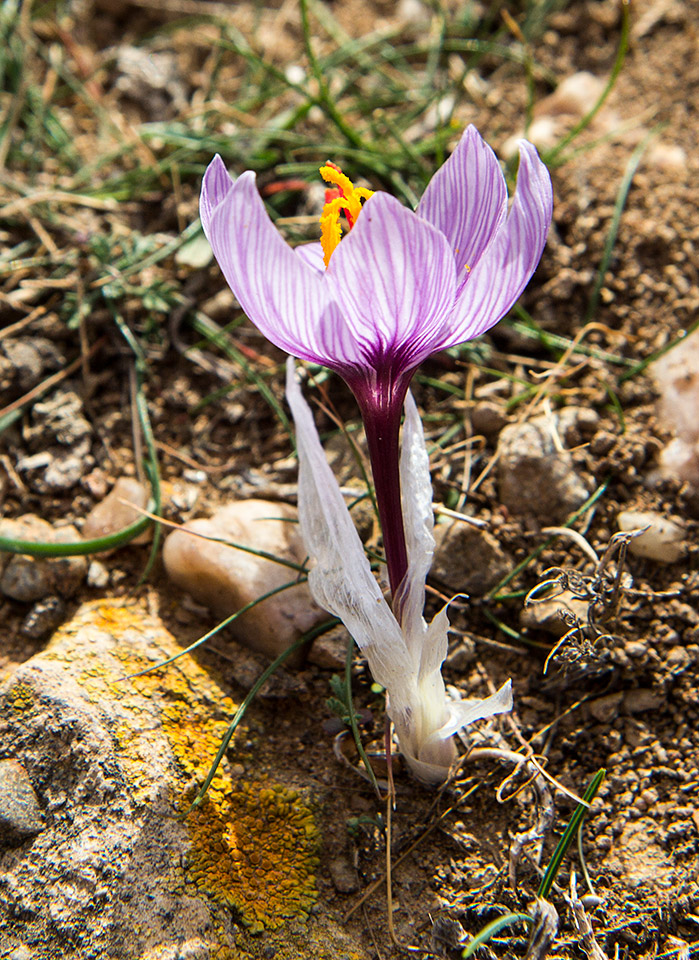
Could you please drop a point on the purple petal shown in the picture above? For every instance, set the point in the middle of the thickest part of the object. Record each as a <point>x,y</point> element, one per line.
<point>467,200</point>
<point>502,273</point>
<point>394,277</point>
<point>312,254</point>
<point>284,297</point>
<point>214,188</point>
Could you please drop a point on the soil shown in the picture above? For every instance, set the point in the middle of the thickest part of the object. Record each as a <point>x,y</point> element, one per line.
<point>627,700</point>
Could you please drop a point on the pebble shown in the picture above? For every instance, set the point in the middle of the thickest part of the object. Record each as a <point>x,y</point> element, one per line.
<point>97,575</point>
<point>605,709</point>
<point>28,579</point>
<point>529,463</point>
<point>20,814</point>
<point>43,618</point>
<point>226,579</point>
<point>663,541</point>
<point>111,515</point>
<point>676,376</point>
<point>330,649</point>
<point>467,558</point>
<point>546,614</point>
<point>60,437</point>
<point>642,700</point>
<point>343,875</point>
<point>25,360</point>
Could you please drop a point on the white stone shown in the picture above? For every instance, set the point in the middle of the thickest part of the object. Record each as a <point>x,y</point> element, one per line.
<point>676,376</point>
<point>112,515</point>
<point>664,540</point>
<point>227,579</point>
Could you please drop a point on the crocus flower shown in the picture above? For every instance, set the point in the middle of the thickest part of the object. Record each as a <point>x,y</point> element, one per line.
<point>406,657</point>
<point>397,287</point>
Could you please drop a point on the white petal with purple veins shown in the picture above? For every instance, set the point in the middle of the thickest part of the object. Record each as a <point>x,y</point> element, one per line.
<point>467,200</point>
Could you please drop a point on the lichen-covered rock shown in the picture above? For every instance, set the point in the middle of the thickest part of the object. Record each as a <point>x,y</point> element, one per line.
<point>227,579</point>
<point>118,871</point>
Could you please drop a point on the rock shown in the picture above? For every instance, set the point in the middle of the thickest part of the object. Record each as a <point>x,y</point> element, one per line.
<point>20,814</point>
<point>24,360</point>
<point>329,650</point>
<point>343,875</point>
<point>536,477</point>
<point>488,418</point>
<point>554,115</point>
<point>97,575</point>
<point>467,559</point>
<point>61,434</point>
<point>43,618</point>
<point>118,870</point>
<point>643,700</point>
<point>639,856</point>
<point>676,376</point>
<point>552,615</point>
<point>28,578</point>
<point>227,579</point>
<point>664,540</point>
<point>606,709</point>
<point>111,515</point>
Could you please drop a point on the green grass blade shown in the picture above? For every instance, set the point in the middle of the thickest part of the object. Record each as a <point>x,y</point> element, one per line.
<point>492,929</point>
<point>252,693</point>
<point>573,826</point>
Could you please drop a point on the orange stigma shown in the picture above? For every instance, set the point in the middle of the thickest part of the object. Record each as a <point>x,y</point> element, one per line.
<point>343,197</point>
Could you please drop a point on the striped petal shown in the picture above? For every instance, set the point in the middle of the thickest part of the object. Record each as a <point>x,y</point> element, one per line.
<point>283,296</point>
<point>498,279</point>
<point>395,278</point>
<point>467,200</point>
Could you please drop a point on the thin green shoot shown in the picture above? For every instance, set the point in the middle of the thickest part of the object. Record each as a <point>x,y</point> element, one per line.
<point>492,929</point>
<point>220,626</point>
<point>352,719</point>
<point>551,157</point>
<point>571,830</point>
<point>619,204</point>
<point>523,564</point>
<point>252,693</point>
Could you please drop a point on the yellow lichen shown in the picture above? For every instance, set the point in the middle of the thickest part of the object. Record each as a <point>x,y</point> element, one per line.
<point>254,849</point>
<point>253,845</point>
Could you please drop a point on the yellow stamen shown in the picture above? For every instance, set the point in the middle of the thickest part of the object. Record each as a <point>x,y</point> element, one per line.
<point>349,201</point>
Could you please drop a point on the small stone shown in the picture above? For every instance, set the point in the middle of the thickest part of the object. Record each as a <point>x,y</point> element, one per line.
<point>20,814</point>
<point>111,515</point>
<point>537,477</point>
<point>330,649</point>
<point>642,700</point>
<point>28,579</point>
<point>488,418</point>
<point>43,618</point>
<point>663,541</point>
<point>605,709</point>
<point>552,615</point>
<point>226,579</point>
<point>676,376</point>
<point>21,953</point>
<point>467,558</point>
<point>343,875</point>
<point>97,575</point>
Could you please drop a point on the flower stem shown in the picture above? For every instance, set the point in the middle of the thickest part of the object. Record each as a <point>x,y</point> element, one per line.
<point>382,426</point>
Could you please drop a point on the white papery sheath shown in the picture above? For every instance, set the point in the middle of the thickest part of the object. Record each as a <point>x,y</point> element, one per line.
<point>404,658</point>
